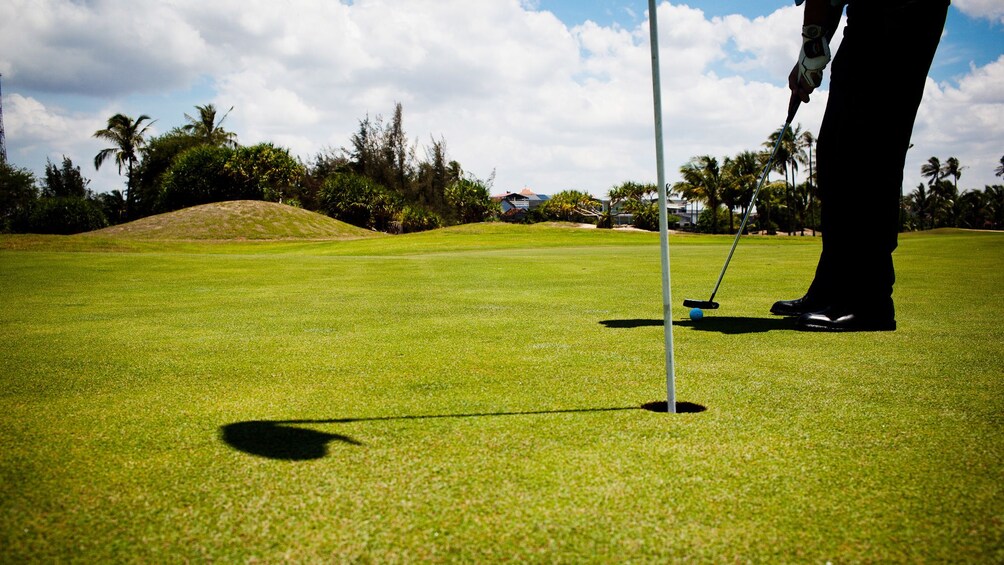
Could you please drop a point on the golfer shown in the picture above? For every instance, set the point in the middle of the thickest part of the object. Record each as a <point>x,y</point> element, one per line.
<point>877,80</point>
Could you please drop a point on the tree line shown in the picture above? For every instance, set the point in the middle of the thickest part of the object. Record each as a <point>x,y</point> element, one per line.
<point>725,188</point>
<point>379,182</point>
<point>941,203</point>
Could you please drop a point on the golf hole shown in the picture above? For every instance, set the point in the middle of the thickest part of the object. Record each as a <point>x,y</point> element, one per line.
<point>681,407</point>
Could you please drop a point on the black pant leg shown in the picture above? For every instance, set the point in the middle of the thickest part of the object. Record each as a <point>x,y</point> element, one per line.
<point>876,85</point>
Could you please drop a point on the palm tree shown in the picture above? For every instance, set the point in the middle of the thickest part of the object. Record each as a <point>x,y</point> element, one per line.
<point>999,171</point>
<point>207,129</point>
<point>128,137</point>
<point>739,178</point>
<point>807,141</point>
<point>945,204</point>
<point>973,209</point>
<point>789,154</point>
<point>931,170</point>
<point>951,168</point>
<point>702,179</point>
<point>995,204</point>
<point>920,204</point>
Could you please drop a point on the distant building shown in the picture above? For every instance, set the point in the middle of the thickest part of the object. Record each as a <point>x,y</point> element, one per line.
<point>518,203</point>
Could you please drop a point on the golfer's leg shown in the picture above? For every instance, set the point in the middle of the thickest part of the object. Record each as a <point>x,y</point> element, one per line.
<point>877,82</point>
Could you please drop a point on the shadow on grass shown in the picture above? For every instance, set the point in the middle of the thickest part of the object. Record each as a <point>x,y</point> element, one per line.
<point>629,324</point>
<point>280,439</point>
<point>720,324</point>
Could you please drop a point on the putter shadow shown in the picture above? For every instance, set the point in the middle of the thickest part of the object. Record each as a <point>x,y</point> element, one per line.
<point>720,324</point>
<point>634,323</point>
<point>283,440</point>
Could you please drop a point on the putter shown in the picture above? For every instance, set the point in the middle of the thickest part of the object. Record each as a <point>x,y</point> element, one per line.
<point>710,303</point>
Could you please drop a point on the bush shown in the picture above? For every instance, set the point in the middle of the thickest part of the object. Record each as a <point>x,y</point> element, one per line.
<point>159,155</point>
<point>415,219</point>
<point>198,176</point>
<point>207,174</point>
<point>17,195</point>
<point>263,172</point>
<point>646,217</point>
<point>66,215</point>
<point>470,201</point>
<point>704,220</point>
<point>359,201</point>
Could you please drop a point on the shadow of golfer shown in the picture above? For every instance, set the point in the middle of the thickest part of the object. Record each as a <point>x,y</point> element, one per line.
<point>283,440</point>
<point>736,325</point>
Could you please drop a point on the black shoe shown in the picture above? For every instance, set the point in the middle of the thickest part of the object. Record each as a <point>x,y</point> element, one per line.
<point>844,319</point>
<point>798,307</point>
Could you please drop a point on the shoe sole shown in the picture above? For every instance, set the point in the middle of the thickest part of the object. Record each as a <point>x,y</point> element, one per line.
<point>790,313</point>
<point>809,327</point>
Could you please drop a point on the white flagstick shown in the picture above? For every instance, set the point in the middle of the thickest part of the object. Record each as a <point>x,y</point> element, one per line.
<point>663,221</point>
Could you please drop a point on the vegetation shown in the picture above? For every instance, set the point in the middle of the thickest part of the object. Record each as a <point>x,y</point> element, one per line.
<point>128,137</point>
<point>476,394</point>
<point>793,206</point>
<point>940,204</point>
<point>202,162</point>
<point>570,206</point>
<point>17,195</point>
<point>379,183</point>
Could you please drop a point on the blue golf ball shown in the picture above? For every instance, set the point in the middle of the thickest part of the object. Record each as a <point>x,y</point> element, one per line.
<point>696,314</point>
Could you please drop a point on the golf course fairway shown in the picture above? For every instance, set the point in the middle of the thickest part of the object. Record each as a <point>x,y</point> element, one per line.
<point>483,394</point>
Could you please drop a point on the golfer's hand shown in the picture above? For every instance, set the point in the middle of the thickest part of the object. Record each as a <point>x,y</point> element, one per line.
<point>798,86</point>
<point>812,60</point>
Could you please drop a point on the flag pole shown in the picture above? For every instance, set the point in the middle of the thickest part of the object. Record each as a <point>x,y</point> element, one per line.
<point>663,219</point>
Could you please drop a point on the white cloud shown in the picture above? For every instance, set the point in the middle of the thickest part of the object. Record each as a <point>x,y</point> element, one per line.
<point>41,133</point>
<point>99,48</point>
<point>989,9</point>
<point>509,88</point>
<point>964,121</point>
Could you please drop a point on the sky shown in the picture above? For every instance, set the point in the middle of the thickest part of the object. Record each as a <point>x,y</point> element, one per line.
<point>549,95</point>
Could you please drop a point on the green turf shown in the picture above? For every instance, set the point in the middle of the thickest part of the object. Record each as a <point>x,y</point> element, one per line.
<point>474,395</point>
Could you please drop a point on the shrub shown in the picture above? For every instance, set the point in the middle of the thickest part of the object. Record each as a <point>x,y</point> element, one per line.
<point>647,217</point>
<point>358,200</point>
<point>66,215</point>
<point>704,220</point>
<point>17,194</point>
<point>205,174</point>
<point>263,172</point>
<point>415,219</point>
<point>197,176</point>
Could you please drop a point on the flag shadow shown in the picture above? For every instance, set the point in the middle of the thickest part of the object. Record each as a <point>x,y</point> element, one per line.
<point>283,440</point>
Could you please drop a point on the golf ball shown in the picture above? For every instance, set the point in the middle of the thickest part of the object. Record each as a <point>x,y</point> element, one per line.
<point>696,314</point>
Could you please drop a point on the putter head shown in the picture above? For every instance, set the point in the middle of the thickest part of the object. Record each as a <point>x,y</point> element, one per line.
<point>702,304</point>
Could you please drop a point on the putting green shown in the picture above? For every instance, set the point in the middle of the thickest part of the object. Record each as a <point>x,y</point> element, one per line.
<point>476,394</point>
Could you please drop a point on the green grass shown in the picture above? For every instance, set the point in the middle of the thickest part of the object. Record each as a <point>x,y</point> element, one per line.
<point>475,394</point>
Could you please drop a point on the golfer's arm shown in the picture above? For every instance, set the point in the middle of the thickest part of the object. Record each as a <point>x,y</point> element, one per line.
<point>822,13</point>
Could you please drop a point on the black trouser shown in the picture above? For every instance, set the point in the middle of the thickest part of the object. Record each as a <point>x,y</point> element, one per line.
<point>876,84</point>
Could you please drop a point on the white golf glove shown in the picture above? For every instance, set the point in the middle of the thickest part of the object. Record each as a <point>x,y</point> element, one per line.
<point>814,56</point>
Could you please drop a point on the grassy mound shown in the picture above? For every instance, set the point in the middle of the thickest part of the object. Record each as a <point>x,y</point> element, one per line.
<point>236,220</point>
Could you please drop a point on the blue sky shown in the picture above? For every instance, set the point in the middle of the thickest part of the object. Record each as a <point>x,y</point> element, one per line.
<point>525,88</point>
<point>976,40</point>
